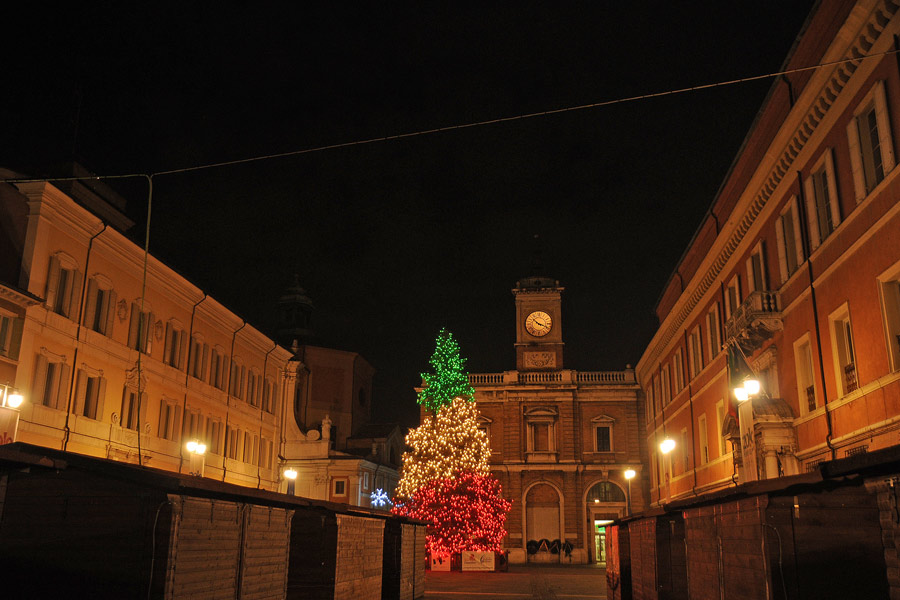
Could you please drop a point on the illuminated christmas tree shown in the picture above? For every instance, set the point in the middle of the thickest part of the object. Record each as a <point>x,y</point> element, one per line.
<point>449,380</point>
<point>444,445</point>
<point>445,479</point>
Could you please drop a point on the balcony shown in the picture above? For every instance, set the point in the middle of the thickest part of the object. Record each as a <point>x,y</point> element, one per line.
<point>755,320</point>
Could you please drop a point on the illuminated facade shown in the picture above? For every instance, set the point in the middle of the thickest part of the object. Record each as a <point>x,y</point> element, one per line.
<point>795,270</point>
<point>561,440</point>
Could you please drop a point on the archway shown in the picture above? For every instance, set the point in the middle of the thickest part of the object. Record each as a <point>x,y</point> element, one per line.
<point>542,523</point>
<point>605,502</point>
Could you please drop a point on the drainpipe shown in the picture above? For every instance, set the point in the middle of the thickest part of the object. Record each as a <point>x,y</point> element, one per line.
<point>70,399</point>
<point>261,410</point>
<point>186,378</point>
<point>228,397</point>
<point>807,246</point>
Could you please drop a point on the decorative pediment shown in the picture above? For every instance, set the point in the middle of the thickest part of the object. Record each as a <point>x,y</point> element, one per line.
<point>602,420</point>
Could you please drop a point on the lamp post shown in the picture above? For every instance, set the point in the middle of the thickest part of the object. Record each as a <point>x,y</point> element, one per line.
<point>198,457</point>
<point>291,475</point>
<point>629,475</point>
<point>749,389</point>
<point>11,400</point>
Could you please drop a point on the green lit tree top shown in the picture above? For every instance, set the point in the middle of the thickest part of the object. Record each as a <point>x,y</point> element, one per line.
<point>449,379</point>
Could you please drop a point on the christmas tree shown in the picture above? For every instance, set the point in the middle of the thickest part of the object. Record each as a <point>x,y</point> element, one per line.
<point>446,480</point>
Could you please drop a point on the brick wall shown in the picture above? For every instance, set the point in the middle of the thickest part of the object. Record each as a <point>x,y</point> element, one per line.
<point>412,571</point>
<point>359,558</point>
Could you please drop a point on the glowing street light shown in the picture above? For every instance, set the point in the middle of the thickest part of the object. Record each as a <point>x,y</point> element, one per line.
<point>11,399</point>
<point>750,388</point>
<point>667,445</point>
<point>629,475</point>
<point>291,475</point>
<point>197,450</point>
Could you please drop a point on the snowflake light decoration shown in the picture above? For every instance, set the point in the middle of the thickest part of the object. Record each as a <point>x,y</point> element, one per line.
<point>379,498</point>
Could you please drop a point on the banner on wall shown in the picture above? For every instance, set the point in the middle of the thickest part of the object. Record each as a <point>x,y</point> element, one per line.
<point>478,561</point>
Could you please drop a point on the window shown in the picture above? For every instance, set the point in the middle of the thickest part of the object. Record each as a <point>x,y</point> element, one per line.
<point>338,487</point>
<point>678,371</point>
<point>695,357</point>
<point>176,345</point>
<point>252,388</point>
<point>484,425</point>
<point>756,269</point>
<point>232,442</point>
<point>889,288</point>
<point>822,201</point>
<point>217,368</point>
<point>140,336</point>
<point>712,332</point>
<point>871,147</point>
<point>90,392</point>
<point>720,421</point>
<point>238,373</point>
<point>100,305</point>
<point>131,409</point>
<point>651,401</point>
<point>251,448</point>
<point>169,420</point>
<point>787,234</point>
<point>664,385</point>
<point>268,403</point>
<point>685,450</point>
<point>541,441</point>
<point>657,398</point>
<point>806,386</point>
<point>214,435</point>
<point>51,381</point>
<point>732,296</point>
<point>366,480</point>
<point>199,358</point>
<point>603,430</point>
<point>63,285</point>
<point>10,336</point>
<point>265,453</point>
<point>842,346</point>
<point>704,439</point>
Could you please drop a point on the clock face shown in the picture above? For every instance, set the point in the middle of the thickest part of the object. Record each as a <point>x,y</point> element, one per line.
<point>538,323</point>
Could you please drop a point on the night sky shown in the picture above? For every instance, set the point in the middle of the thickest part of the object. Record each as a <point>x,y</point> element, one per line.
<point>394,240</point>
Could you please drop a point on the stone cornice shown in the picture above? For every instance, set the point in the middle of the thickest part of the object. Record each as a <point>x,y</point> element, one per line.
<point>48,201</point>
<point>862,34</point>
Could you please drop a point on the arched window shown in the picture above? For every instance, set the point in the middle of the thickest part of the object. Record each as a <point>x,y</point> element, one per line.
<point>605,491</point>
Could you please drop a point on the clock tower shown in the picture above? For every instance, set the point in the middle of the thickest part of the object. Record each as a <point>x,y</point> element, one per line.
<point>539,345</point>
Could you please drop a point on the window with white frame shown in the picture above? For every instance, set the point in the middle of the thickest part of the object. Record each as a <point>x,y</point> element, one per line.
<point>51,380</point>
<point>870,141</point>
<point>238,376</point>
<point>695,356</point>
<point>756,269</point>
<point>265,453</point>
<point>712,331</point>
<point>541,424</point>
<point>10,335</point>
<point>822,205</point>
<point>199,357</point>
<point>789,240</point>
<point>90,393</point>
<point>100,305</point>
<point>176,345</point>
<point>720,421</point>
<point>732,296</point>
<point>169,427</point>
<point>233,440</point>
<point>806,382</point>
<point>889,292</point>
<point>603,433</point>
<point>704,439</point>
<point>657,397</point>
<point>252,387</point>
<point>664,385</point>
<point>685,450</point>
<point>268,399</point>
<point>63,285</point>
<point>651,406</point>
<point>678,371</point>
<point>140,335</point>
<point>842,350</point>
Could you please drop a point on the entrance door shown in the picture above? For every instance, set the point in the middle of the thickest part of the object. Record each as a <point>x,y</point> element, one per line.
<point>600,526</point>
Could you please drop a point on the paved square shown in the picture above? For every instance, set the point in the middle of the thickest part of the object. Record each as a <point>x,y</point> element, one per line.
<point>585,582</point>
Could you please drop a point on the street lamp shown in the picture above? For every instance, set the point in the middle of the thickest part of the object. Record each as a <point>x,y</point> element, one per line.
<point>291,475</point>
<point>665,447</point>
<point>11,400</point>
<point>750,387</point>
<point>629,475</point>
<point>198,458</point>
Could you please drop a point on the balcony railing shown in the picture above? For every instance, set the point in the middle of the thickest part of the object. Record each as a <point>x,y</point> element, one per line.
<point>755,320</point>
<point>850,382</point>
<point>566,376</point>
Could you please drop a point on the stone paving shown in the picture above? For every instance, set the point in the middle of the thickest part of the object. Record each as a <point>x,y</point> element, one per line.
<point>581,582</point>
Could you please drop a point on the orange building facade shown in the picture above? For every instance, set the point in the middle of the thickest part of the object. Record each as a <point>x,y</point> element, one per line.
<point>795,271</point>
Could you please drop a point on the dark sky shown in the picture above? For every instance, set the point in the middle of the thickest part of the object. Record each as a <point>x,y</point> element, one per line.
<point>394,240</point>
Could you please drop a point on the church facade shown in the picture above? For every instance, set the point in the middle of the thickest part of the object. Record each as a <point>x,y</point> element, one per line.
<point>561,440</point>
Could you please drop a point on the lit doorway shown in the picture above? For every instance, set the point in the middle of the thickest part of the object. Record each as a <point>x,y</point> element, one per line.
<point>600,526</point>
